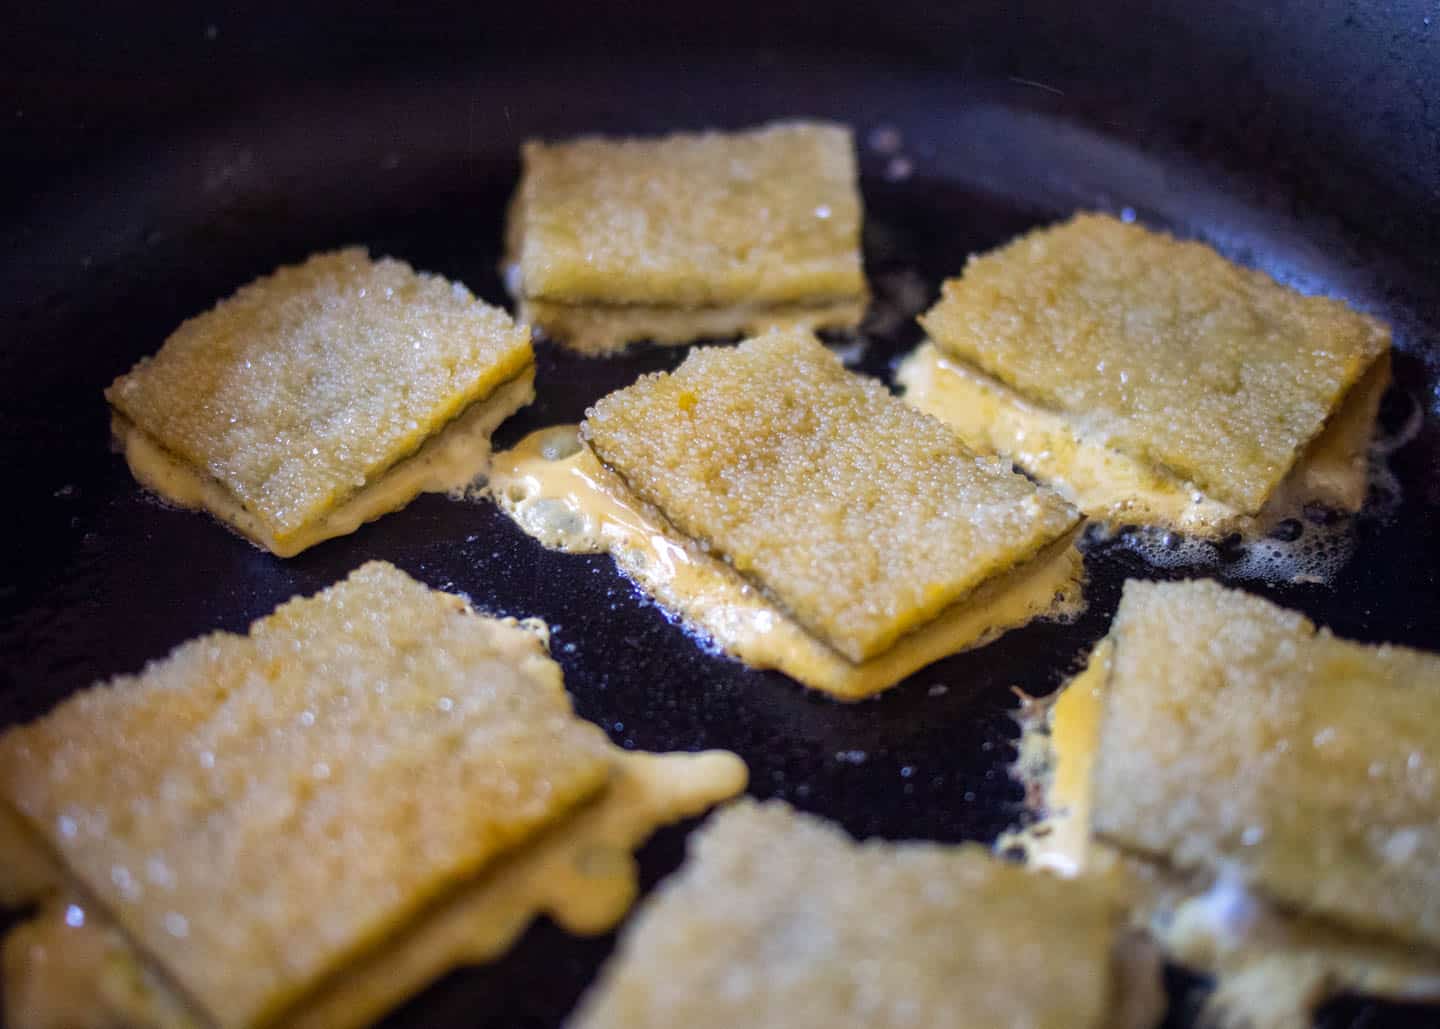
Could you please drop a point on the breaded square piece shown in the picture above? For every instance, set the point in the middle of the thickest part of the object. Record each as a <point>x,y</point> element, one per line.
<point>1210,372</point>
<point>861,516</point>
<point>779,919</point>
<point>1235,734</point>
<point>309,385</point>
<point>687,235</point>
<point>692,219</point>
<point>253,810</point>
<point>68,966</point>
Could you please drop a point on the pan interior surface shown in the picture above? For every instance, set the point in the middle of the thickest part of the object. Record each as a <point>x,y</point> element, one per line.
<point>101,577</point>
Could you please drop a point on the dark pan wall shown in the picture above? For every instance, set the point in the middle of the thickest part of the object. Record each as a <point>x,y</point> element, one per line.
<point>1336,99</point>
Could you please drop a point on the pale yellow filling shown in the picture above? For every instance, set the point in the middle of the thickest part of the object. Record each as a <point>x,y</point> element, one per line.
<point>1107,484</point>
<point>70,969</point>
<point>559,492</point>
<point>1057,754</point>
<point>606,328</point>
<point>1272,968</point>
<point>449,461</point>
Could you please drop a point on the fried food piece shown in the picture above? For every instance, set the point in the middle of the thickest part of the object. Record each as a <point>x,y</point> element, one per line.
<point>1238,736</point>
<point>778,918</point>
<point>1192,368</point>
<point>861,517</point>
<point>688,235</point>
<point>255,810</point>
<point>323,396</point>
<point>692,219</point>
<point>557,491</point>
<point>69,966</point>
<point>1272,967</point>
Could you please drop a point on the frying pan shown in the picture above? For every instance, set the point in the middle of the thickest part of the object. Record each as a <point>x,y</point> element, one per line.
<point>152,166</point>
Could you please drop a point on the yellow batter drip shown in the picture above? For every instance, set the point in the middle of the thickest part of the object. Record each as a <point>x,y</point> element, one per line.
<point>69,969</point>
<point>1057,752</point>
<point>604,329</point>
<point>447,462</point>
<point>1106,483</point>
<point>559,492</point>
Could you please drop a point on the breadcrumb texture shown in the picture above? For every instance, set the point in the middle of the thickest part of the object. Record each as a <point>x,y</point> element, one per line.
<point>779,919</point>
<point>771,215</point>
<point>863,517</point>
<point>310,383</point>
<point>255,809</point>
<point>1162,349</point>
<point>1236,735</point>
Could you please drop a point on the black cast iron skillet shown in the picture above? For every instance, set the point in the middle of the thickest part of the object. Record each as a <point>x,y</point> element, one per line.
<point>155,160</point>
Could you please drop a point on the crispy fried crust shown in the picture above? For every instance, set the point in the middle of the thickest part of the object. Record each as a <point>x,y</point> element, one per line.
<point>1237,736</point>
<point>254,809</point>
<point>691,220</point>
<point>310,383</point>
<point>1164,350</point>
<point>862,516</point>
<point>778,919</point>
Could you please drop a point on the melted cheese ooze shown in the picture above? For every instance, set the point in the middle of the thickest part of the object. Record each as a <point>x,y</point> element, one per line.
<point>604,328</point>
<point>448,462</point>
<point>69,968</point>
<point>1272,968</point>
<point>1057,754</point>
<point>558,491</point>
<point>1106,483</point>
